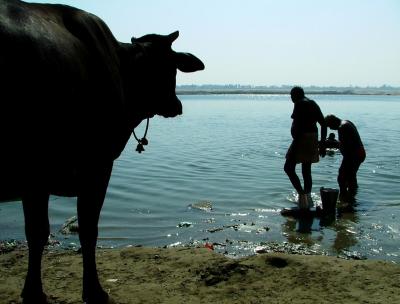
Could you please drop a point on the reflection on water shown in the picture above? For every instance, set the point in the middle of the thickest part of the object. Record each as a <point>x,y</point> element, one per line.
<point>229,151</point>
<point>302,229</point>
<point>345,232</point>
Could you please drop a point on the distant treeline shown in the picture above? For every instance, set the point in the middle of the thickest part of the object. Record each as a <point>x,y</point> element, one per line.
<point>284,89</point>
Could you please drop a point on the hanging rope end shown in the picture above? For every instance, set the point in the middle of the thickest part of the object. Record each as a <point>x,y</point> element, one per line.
<point>143,141</point>
<point>139,148</point>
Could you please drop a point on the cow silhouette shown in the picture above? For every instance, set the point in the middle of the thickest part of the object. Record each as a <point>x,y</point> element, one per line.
<point>70,97</point>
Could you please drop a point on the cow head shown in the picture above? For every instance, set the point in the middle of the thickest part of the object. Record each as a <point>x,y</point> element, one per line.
<point>155,72</point>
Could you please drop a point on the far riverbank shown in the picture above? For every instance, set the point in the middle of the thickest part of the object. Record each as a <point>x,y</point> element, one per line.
<point>281,92</point>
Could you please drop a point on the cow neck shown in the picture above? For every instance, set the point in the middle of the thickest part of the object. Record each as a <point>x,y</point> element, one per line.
<point>143,141</point>
<point>132,59</point>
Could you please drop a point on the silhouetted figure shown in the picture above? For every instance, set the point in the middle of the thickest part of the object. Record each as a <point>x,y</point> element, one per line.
<point>353,152</point>
<point>71,97</point>
<point>304,148</point>
<point>331,142</point>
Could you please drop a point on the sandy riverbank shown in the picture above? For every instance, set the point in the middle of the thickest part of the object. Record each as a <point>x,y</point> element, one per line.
<point>193,275</point>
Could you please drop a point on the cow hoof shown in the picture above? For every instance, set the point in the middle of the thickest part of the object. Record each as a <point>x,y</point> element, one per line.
<point>100,297</point>
<point>34,298</point>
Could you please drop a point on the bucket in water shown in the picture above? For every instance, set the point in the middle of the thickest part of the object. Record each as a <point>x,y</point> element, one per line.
<point>329,197</point>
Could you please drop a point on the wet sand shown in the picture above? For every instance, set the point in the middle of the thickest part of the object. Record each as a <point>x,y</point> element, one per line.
<point>199,275</point>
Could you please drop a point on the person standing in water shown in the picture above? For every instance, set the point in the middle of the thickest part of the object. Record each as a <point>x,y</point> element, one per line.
<point>352,149</point>
<point>304,148</point>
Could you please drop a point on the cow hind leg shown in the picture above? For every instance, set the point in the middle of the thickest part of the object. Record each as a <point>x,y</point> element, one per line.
<point>37,230</point>
<point>93,187</point>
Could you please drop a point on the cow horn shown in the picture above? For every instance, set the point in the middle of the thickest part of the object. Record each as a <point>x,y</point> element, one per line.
<point>173,36</point>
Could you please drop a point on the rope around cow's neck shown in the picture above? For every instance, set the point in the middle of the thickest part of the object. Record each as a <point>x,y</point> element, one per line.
<point>143,141</point>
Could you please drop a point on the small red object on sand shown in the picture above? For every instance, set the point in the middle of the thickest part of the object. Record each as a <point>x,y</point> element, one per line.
<point>209,246</point>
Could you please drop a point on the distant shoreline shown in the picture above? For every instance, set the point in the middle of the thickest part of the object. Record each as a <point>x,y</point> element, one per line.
<point>273,92</point>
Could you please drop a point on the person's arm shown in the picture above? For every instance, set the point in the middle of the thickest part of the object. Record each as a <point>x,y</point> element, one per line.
<point>294,130</point>
<point>324,131</point>
<point>322,123</point>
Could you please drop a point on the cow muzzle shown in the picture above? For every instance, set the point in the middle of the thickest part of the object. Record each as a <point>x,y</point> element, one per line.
<point>172,109</point>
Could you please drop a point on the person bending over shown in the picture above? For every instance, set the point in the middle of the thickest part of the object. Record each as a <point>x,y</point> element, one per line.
<point>352,149</point>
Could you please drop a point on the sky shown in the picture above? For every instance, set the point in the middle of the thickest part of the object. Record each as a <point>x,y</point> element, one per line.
<point>269,42</point>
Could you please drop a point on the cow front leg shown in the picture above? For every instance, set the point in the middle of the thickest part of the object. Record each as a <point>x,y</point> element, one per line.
<point>37,230</point>
<point>93,183</point>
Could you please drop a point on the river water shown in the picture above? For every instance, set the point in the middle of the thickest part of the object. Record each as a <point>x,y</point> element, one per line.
<point>229,150</point>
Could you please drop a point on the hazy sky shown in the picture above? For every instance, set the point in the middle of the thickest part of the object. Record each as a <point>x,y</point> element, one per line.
<point>269,42</point>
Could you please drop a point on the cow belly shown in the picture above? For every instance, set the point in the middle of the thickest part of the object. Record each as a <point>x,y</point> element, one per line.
<point>15,176</point>
<point>10,182</point>
<point>31,158</point>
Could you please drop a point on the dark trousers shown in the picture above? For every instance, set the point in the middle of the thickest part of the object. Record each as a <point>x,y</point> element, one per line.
<point>347,177</point>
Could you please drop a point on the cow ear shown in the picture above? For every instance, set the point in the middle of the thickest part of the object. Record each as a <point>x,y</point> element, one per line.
<point>173,36</point>
<point>188,63</point>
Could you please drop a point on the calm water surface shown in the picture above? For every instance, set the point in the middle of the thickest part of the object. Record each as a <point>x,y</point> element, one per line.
<point>230,150</point>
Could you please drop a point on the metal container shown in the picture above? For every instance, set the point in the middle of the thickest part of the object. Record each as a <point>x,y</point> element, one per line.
<point>329,198</point>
